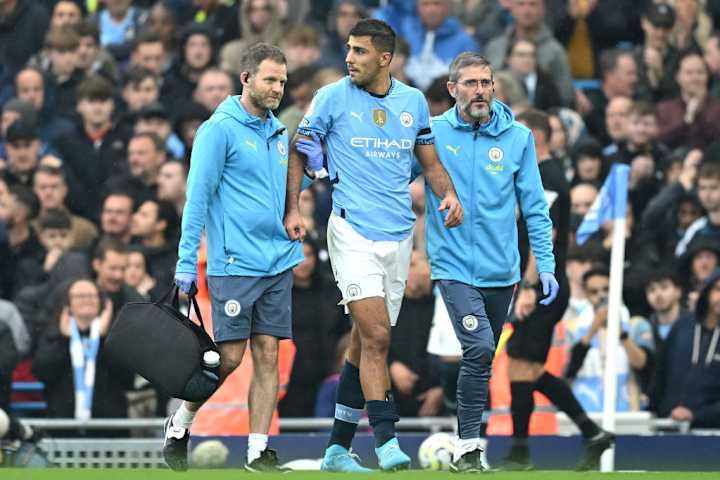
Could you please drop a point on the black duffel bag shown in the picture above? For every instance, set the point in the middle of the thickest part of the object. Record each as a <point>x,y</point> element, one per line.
<point>158,342</point>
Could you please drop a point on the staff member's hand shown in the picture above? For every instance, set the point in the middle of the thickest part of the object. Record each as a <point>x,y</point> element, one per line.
<point>550,287</point>
<point>186,282</point>
<point>455,212</point>
<point>294,226</point>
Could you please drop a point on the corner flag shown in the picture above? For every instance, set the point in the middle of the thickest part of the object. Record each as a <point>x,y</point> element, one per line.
<point>610,204</point>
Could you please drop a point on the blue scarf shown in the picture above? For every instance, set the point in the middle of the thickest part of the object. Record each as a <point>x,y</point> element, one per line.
<point>83,352</point>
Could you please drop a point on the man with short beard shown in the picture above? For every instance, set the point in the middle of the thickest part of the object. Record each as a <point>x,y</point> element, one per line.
<point>236,189</point>
<point>491,158</point>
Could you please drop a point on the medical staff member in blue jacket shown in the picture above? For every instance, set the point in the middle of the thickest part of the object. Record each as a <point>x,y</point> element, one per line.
<point>236,189</point>
<point>491,160</point>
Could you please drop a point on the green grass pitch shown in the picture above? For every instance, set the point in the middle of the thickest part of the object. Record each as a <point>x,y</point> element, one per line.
<point>124,474</point>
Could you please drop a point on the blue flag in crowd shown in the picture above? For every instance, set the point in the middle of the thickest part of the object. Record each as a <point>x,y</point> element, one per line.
<point>610,203</point>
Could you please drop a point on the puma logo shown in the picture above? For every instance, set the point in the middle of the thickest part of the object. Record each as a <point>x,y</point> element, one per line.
<point>251,144</point>
<point>452,149</point>
<point>357,115</point>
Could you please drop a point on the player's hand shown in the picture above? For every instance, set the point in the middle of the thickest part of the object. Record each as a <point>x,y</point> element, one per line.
<point>294,226</point>
<point>455,212</point>
<point>186,282</point>
<point>312,149</point>
<point>550,287</point>
<point>525,303</point>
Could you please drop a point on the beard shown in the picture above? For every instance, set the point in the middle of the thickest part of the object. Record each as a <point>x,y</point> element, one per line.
<point>262,102</point>
<point>477,112</point>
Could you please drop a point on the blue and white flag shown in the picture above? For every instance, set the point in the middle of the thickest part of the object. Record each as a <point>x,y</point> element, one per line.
<point>610,204</point>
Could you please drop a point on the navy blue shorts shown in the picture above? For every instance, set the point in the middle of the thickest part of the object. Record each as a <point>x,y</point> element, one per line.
<point>247,306</point>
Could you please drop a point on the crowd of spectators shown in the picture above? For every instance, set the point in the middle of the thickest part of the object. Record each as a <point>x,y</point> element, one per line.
<point>101,100</point>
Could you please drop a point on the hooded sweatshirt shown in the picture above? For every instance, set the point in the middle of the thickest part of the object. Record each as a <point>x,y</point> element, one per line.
<point>236,189</point>
<point>494,168</point>
<point>689,372</point>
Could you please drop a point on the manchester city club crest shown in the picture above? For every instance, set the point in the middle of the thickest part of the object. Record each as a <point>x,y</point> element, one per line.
<point>495,154</point>
<point>232,308</point>
<point>470,322</point>
<point>353,290</point>
<point>281,148</point>
<point>406,119</point>
<point>379,117</point>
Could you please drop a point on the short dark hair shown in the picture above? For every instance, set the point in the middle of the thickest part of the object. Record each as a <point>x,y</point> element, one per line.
<point>642,108</point>
<point>118,192</point>
<point>588,148</point>
<point>690,52</point>
<point>146,37</point>
<point>95,87</point>
<point>536,120</point>
<point>402,47</point>
<point>609,60</point>
<point>258,53</point>
<point>108,244</point>
<point>51,171</point>
<point>382,36</point>
<point>183,165</point>
<point>709,170</point>
<point>153,137</point>
<point>468,59</point>
<point>55,218</point>
<point>595,271</point>
<point>87,28</point>
<point>137,74</point>
<point>166,211</point>
<point>27,197</point>
<point>437,90</point>
<point>661,275</point>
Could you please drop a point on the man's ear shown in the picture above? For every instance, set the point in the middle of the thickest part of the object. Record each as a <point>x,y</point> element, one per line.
<point>96,264</point>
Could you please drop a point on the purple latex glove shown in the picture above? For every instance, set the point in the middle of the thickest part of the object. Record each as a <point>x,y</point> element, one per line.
<point>312,149</point>
<point>550,287</point>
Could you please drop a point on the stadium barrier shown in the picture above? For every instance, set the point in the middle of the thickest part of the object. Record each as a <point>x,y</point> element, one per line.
<point>628,423</point>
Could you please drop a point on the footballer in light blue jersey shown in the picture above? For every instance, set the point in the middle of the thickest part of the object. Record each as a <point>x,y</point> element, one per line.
<point>372,126</point>
<point>370,141</point>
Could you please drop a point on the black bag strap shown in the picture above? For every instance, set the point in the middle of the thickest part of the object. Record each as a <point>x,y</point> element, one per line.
<point>173,294</point>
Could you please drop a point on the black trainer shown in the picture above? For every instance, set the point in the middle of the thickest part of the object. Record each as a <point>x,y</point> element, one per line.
<point>594,448</point>
<point>470,462</point>
<point>175,447</point>
<point>518,460</point>
<point>266,462</point>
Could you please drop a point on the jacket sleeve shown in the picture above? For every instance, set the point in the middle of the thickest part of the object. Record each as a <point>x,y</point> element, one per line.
<point>52,357</point>
<point>656,210</point>
<point>707,416</point>
<point>530,193</point>
<point>563,78</point>
<point>671,122</point>
<point>577,358</point>
<point>206,167</point>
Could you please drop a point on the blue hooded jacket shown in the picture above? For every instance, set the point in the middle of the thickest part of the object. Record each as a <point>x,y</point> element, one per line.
<point>688,372</point>
<point>236,188</point>
<point>494,168</point>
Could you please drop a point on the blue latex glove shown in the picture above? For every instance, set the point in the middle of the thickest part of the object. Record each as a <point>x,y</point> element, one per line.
<point>186,282</point>
<point>550,287</point>
<point>312,149</point>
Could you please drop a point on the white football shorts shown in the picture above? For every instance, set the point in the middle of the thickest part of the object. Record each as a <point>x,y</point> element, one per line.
<point>365,268</point>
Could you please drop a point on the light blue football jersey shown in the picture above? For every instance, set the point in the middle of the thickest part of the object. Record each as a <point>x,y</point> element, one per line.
<point>370,143</point>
